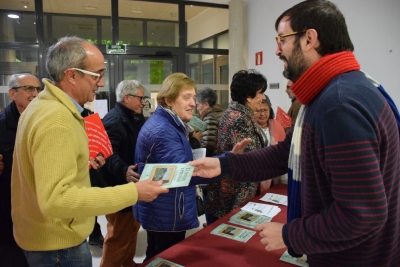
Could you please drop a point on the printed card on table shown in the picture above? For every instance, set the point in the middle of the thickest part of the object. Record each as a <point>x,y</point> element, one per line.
<point>99,142</point>
<point>160,262</point>
<point>275,198</point>
<point>248,219</point>
<point>233,232</point>
<point>172,175</point>
<point>302,261</point>
<point>262,209</point>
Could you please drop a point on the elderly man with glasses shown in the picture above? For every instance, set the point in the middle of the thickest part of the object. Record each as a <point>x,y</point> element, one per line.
<point>123,124</point>
<point>53,204</point>
<point>23,89</point>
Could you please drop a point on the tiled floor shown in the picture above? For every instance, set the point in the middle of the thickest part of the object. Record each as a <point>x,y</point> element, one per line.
<point>141,244</point>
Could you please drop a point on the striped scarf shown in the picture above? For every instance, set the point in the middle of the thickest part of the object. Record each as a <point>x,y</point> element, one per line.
<point>306,89</point>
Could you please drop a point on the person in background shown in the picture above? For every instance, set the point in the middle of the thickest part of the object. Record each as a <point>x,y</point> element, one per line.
<point>123,124</point>
<point>236,124</point>
<point>23,89</point>
<point>53,204</point>
<point>210,113</point>
<point>164,138</point>
<point>96,179</point>
<point>343,154</point>
<point>273,133</point>
<point>294,108</point>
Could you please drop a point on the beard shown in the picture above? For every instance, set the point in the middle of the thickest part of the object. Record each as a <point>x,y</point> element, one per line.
<point>296,65</point>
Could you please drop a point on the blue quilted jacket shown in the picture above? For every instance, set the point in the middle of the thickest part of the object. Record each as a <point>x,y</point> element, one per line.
<point>162,140</point>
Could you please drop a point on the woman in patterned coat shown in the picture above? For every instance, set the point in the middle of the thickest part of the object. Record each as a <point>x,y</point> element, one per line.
<point>247,92</point>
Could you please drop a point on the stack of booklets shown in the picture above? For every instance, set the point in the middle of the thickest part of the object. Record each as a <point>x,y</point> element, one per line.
<point>160,262</point>
<point>302,261</point>
<point>248,219</point>
<point>262,209</point>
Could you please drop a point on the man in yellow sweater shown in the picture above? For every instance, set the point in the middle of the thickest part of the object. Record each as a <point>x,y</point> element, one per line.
<point>53,205</point>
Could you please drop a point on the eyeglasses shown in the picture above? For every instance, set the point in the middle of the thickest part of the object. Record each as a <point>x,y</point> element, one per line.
<point>265,111</point>
<point>141,98</point>
<point>94,74</point>
<point>29,88</point>
<point>279,39</point>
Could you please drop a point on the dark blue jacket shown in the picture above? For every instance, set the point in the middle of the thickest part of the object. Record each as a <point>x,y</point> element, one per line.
<point>162,139</point>
<point>8,129</point>
<point>122,127</point>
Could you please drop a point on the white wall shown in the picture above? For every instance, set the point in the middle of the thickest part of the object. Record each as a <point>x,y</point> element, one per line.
<point>373,27</point>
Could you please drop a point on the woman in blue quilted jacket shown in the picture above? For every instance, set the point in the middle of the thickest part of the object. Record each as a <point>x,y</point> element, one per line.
<point>164,139</point>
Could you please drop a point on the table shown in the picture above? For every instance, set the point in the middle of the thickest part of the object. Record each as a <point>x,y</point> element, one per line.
<point>205,249</point>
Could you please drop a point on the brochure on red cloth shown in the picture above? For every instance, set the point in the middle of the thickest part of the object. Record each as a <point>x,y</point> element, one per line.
<point>98,137</point>
<point>283,118</point>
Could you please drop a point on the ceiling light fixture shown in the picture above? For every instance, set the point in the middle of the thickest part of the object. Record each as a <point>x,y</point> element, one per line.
<point>90,7</point>
<point>13,16</point>
<point>137,11</point>
<point>25,4</point>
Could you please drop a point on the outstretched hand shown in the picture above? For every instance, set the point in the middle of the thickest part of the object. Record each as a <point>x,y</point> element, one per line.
<point>149,190</point>
<point>240,147</point>
<point>206,167</point>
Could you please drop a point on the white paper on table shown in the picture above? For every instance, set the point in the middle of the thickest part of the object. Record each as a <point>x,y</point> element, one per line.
<point>275,198</point>
<point>262,209</point>
<point>199,153</point>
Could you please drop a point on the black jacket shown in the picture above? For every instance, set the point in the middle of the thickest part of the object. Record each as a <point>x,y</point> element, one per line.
<point>122,127</point>
<point>8,130</point>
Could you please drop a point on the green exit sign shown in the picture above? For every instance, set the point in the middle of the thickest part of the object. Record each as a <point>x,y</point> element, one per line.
<point>116,49</point>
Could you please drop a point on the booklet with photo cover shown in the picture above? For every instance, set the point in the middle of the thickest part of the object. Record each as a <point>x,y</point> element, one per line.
<point>172,175</point>
<point>302,261</point>
<point>233,232</point>
<point>248,219</point>
<point>160,262</point>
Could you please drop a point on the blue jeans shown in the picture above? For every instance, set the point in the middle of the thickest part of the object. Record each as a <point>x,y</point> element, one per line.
<point>78,256</point>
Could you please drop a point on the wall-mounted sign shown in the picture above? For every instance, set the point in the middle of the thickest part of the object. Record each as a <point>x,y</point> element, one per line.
<point>259,58</point>
<point>116,49</point>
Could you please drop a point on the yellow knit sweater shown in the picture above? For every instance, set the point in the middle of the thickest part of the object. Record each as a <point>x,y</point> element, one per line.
<point>53,205</point>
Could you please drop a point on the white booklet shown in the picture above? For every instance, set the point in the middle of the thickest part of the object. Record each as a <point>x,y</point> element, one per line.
<point>275,198</point>
<point>172,175</point>
<point>262,209</point>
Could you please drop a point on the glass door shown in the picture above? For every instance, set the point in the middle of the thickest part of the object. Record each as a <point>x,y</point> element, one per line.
<point>149,71</point>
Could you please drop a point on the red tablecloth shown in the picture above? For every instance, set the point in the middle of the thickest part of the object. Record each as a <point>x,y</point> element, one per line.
<point>205,249</point>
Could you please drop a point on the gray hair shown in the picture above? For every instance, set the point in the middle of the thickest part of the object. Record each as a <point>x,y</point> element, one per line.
<point>66,53</point>
<point>15,78</point>
<point>207,95</point>
<point>128,87</point>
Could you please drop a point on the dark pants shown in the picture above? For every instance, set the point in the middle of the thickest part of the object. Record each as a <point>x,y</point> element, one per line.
<point>96,230</point>
<point>157,242</point>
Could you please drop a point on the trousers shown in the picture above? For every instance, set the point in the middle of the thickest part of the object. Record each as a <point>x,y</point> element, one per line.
<point>120,242</point>
<point>78,256</point>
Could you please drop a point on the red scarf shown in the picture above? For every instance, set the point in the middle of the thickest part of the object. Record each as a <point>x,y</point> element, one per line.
<point>321,73</point>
